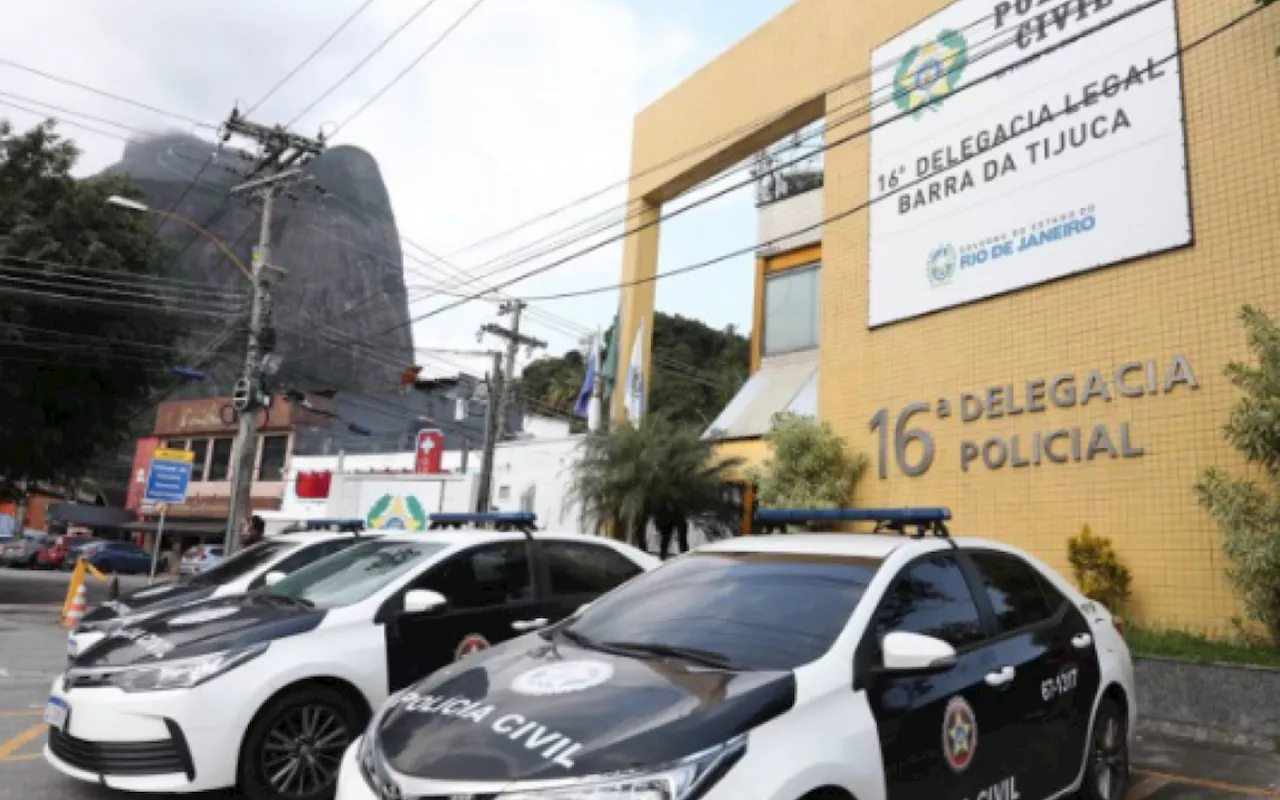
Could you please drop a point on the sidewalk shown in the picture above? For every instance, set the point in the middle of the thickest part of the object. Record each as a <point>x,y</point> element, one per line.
<point>1178,769</point>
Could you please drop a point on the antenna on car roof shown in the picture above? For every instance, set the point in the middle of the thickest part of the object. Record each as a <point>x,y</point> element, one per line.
<point>524,521</point>
<point>921,521</point>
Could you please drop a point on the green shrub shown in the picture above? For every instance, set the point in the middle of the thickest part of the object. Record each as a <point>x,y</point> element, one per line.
<point>1098,571</point>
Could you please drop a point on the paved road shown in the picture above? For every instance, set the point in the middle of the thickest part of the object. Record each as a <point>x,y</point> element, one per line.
<point>32,652</point>
<point>39,587</point>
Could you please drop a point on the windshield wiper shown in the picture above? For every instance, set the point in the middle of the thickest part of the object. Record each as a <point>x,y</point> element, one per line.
<point>707,658</point>
<point>297,601</point>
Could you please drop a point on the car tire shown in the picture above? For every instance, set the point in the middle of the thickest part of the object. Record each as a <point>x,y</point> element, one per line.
<point>1106,767</point>
<point>314,712</point>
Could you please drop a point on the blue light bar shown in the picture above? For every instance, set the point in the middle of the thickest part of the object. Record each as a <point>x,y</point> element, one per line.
<point>337,522</point>
<point>905,516</point>
<point>494,517</point>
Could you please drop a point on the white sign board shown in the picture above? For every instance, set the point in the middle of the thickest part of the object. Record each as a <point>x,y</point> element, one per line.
<point>1069,162</point>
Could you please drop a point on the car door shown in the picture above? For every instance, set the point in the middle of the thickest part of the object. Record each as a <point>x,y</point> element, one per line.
<point>943,734</point>
<point>488,587</point>
<point>1047,643</point>
<point>576,573</point>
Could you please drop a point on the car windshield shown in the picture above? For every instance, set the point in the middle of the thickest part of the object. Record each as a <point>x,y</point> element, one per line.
<point>242,563</point>
<point>750,611</point>
<point>353,574</point>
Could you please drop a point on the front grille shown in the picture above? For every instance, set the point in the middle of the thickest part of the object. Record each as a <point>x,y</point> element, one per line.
<point>119,758</point>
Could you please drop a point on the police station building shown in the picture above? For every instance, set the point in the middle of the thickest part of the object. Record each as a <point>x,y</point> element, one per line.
<point>1016,283</point>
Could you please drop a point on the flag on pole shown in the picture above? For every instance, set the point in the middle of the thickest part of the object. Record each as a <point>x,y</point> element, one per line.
<point>610,368</point>
<point>583,403</point>
<point>635,378</point>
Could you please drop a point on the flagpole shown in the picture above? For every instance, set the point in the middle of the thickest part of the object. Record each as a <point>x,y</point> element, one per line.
<point>595,405</point>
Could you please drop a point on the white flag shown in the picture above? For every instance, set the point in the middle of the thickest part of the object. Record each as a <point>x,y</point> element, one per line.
<point>635,378</point>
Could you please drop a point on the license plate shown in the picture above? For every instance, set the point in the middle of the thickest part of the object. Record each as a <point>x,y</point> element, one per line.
<point>55,713</point>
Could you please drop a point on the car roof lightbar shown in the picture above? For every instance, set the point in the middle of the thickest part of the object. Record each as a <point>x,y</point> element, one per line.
<point>524,521</point>
<point>345,524</point>
<point>896,520</point>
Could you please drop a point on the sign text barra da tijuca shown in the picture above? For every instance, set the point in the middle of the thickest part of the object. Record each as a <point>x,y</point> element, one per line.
<point>914,450</point>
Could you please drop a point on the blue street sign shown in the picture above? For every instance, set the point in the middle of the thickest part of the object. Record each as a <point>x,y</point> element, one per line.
<point>170,476</point>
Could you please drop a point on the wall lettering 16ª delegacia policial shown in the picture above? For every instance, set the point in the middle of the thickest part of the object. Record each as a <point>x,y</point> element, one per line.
<point>914,449</point>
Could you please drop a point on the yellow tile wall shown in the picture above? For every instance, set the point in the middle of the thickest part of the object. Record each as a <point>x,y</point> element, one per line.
<point>1181,302</point>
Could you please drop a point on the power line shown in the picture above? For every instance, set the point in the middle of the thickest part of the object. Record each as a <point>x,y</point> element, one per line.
<point>117,276</point>
<point>430,48</point>
<point>71,122</point>
<point>104,93</point>
<point>359,65</point>
<point>74,113</point>
<point>311,57</point>
<point>73,299</point>
<point>1065,42</point>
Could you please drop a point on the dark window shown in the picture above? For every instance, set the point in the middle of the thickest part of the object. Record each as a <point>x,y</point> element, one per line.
<point>586,568</point>
<point>1013,588</point>
<point>930,597</point>
<point>200,447</point>
<point>766,611</point>
<point>176,444</point>
<point>220,461</point>
<point>274,451</point>
<point>487,576</point>
<point>305,556</point>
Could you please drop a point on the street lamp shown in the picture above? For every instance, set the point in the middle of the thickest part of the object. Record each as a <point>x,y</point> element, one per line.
<point>129,204</point>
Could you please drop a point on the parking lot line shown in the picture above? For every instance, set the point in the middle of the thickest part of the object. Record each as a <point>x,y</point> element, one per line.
<point>30,712</point>
<point>1146,787</point>
<point>1204,783</point>
<point>13,744</point>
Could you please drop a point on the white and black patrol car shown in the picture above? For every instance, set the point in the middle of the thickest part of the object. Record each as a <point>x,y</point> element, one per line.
<point>794,667</point>
<point>245,571</point>
<point>265,690</point>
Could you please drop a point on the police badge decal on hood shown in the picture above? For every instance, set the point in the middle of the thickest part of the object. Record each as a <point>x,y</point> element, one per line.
<point>555,711</point>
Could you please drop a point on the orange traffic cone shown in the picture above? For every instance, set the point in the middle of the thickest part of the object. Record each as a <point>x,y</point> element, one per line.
<point>76,612</point>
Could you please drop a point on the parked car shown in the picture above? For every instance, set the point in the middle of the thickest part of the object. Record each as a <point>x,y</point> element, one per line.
<point>784,667</point>
<point>21,552</point>
<point>265,690</point>
<point>200,558</point>
<point>124,558</point>
<point>62,552</point>
<point>241,572</point>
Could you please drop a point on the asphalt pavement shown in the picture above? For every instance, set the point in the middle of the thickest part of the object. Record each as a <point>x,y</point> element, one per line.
<point>33,651</point>
<point>47,587</point>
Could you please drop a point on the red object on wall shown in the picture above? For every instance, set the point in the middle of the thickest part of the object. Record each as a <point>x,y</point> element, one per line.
<point>313,485</point>
<point>430,452</point>
<point>142,455</point>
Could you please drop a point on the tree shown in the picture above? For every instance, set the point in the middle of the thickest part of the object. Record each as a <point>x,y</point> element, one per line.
<point>1248,511</point>
<point>80,349</point>
<point>662,473</point>
<point>810,467</point>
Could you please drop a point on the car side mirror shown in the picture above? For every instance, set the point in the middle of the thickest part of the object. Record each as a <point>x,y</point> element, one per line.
<point>273,578</point>
<point>422,601</point>
<point>914,652</point>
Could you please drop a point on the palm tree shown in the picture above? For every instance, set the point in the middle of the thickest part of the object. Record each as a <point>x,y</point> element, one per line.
<point>659,473</point>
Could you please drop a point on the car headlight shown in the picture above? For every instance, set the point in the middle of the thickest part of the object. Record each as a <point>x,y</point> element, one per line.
<point>681,780</point>
<point>183,673</point>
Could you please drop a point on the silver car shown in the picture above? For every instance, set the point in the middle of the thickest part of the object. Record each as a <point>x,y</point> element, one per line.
<point>20,551</point>
<point>199,558</point>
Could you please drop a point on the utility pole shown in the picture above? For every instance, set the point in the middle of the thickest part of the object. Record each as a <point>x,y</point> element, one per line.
<point>281,155</point>
<point>514,339</point>
<point>484,488</point>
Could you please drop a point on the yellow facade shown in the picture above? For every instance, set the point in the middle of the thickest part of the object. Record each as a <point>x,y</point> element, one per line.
<point>1180,303</point>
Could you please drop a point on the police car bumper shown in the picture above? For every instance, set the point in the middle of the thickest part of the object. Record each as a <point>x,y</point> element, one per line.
<point>168,741</point>
<point>352,785</point>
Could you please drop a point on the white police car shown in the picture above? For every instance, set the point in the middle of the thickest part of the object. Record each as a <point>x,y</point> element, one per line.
<point>798,667</point>
<point>265,690</point>
<point>242,572</point>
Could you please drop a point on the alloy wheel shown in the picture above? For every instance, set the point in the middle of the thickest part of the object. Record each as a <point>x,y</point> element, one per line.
<point>303,750</point>
<point>1109,759</point>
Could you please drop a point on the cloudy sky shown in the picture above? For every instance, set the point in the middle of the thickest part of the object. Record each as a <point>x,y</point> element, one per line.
<point>526,107</point>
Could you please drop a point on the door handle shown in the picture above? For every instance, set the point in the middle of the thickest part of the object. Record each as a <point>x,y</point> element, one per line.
<point>1081,640</point>
<point>1000,677</point>
<point>529,624</point>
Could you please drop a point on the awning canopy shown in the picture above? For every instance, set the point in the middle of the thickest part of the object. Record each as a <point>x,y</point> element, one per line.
<point>90,516</point>
<point>786,383</point>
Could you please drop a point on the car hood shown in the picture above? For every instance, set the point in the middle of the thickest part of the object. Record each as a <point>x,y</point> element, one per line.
<point>535,710</point>
<point>149,599</point>
<point>226,623</point>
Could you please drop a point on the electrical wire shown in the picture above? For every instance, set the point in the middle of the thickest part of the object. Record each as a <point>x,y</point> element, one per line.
<point>311,57</point>
<point>73,299</point>
<point>430,48</point>
<point>116,277</point>
<point>28,278</point>
<point>359,65</point>
<point>110,95</point>
<point>829,145</point>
